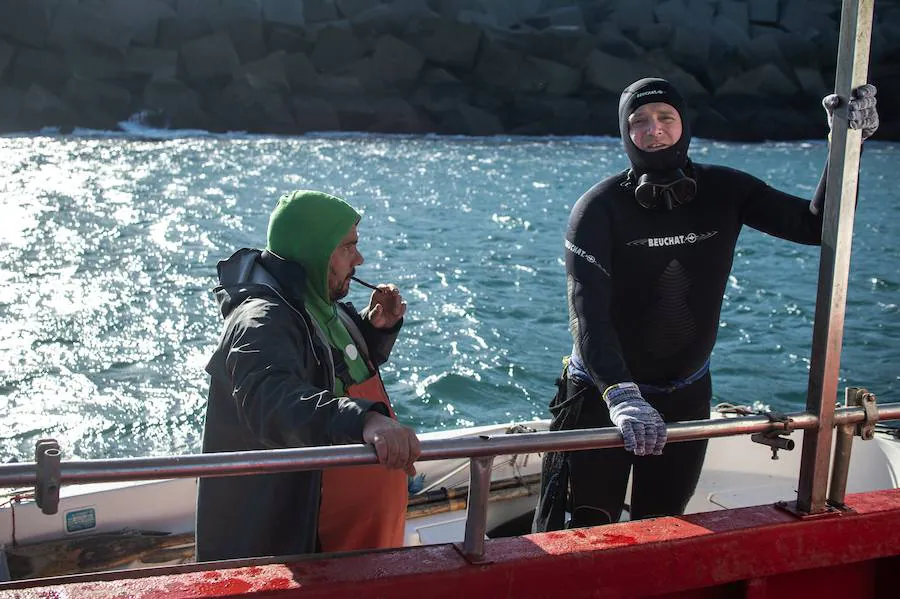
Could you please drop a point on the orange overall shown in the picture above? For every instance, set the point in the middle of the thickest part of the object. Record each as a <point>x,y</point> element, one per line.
<point>363,507</point>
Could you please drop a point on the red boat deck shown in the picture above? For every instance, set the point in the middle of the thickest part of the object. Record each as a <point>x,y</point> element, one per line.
<point>754,553</point>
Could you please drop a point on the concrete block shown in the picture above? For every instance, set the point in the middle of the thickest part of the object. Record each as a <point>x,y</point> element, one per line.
<point>76,24</point>
<point>42,108</point>
<point>319,11</point>
<point>26,21</point>
<point>397,62</point>
<point>283,12</point>
<point>737,13</point>
<point>811,81</point>
<point>655,35</point>
<point>180,104</point>
<point>763,81</point>
<point>300,73</point>
<point>673,12</point>
<point>475,121</point>
<point>335,48</point>
<point>629,15</point>
<point>248,39</point>
<point>99,104</point>
<point>46,68</point>
<point>197,9</point>
<point>446,42</point>
<point>157,63</point>
<point>763,11</point>
<point>268,73</point>
<point>96,62</point>
<point>613,74</point>
<point>210,57</point>
<point>690,46</point>
<point>498,66</point>
<point>314,114</point>
<point>557,79</point>
<point>11,101</point>
<point>352,8</point>
<point>141,19</point>
<point>6,56</point>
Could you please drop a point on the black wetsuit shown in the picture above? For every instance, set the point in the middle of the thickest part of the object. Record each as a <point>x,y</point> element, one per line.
<point>645,292</point>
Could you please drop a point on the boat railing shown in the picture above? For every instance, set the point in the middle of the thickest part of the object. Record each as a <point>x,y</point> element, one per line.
<point>48,472</point>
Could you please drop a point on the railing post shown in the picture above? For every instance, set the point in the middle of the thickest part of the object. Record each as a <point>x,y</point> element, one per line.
<point>834,261</point>
<point>476,508</point>
<point>843,445</point>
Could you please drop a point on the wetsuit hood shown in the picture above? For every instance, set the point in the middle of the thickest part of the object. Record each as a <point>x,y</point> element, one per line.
<point>646,91</point>
<point>306,227</point>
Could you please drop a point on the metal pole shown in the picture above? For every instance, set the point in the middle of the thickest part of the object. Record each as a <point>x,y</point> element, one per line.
<point>315,458</point>
<point>834,262</point>
<point>476,509</point>
<point>843,446</point>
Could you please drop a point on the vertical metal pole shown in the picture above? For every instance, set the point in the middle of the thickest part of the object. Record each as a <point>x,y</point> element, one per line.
<point>476,508</point>
<point>834,261</point>
<point>843,446</point>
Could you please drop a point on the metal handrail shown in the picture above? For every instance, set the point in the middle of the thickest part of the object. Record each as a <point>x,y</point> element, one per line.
<point>480,449</point>
<point>314,458</point>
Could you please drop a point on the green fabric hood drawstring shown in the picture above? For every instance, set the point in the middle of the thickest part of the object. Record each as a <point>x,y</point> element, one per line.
<point>306,227</point>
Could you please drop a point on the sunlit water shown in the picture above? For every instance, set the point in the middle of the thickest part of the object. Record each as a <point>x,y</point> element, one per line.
<point>108,248</point>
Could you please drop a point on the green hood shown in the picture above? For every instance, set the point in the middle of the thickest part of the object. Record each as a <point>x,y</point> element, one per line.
<point>306,227</point>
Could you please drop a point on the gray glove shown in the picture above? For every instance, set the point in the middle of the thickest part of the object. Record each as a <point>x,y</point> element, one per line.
<point>862,112</point>
<point>641,426</point>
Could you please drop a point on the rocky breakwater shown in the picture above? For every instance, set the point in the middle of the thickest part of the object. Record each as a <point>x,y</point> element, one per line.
<point>750,69</point>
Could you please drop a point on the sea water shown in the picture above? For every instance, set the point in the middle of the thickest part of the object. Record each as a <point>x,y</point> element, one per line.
<point>109,244</point>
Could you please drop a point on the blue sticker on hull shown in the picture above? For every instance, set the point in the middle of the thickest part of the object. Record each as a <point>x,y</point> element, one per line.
<point>83,519</point>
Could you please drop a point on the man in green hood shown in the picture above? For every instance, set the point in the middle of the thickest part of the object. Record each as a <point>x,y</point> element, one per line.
<point>296,367</point>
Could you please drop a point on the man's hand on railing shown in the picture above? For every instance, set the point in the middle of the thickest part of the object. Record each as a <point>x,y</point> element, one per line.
<point>642,428</point>
<point>396,445</point>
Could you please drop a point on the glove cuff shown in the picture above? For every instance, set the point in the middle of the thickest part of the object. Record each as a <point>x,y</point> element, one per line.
<point>616,394</point>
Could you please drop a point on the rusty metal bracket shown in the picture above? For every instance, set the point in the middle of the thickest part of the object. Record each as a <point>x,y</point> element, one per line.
<point>869,403</point>
<point>775,438</point>
<point>792,508</point>
<point>46,488</point>
<point>475,560</point>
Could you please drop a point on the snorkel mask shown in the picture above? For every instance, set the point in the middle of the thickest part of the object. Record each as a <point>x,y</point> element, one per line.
<point>664,191</point>
<point>660,180</point>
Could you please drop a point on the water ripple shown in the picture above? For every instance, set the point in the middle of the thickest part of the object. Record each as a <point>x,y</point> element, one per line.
<point>108,248</point>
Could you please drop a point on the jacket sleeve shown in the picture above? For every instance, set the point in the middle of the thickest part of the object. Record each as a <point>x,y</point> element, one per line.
<point>271,368</point>
<point>589,284</point>
<point>778,213</point>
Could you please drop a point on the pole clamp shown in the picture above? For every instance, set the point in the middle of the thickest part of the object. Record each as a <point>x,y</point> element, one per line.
<point>869,403</point>
<point>46,489</point>
<point>776,438</point>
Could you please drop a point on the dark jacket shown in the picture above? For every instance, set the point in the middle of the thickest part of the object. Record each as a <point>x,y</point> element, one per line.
<point>272,377</point>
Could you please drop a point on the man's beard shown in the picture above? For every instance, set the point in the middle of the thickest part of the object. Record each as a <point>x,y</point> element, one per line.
<point>338,293</point>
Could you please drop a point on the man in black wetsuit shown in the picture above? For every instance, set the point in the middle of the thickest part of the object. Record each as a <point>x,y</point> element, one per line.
<point>648,254</point>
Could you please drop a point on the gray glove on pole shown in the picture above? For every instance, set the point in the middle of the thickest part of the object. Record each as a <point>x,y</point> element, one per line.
<point>862,111</point>
<point>641,426</point>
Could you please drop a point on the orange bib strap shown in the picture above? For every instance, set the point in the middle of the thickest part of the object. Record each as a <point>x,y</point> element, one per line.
<point>363,507</point>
